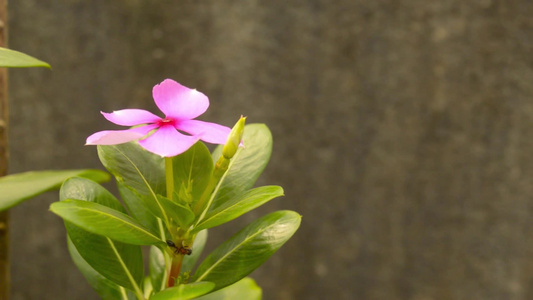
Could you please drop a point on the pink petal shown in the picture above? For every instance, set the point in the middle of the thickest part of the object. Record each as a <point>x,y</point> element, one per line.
<point>131,117</point>
<point>179,102</point>
<point>206,131</point>
<point>167,142</point>
<point>115,137</point>
<point>112,137</point>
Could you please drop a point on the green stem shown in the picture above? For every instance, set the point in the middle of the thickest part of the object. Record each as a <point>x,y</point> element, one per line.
<point>169,174</point>
<point>201,207</point>
<point>220,169</point>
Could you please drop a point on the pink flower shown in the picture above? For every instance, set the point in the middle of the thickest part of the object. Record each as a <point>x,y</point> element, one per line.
<point>180,106</point>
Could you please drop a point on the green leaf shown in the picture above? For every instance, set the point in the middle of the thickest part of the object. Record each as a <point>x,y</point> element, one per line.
<point>105,288</point>
<point>85,189</point>
<point>238,206</point>
<point>197,248</point>
<point>100,219</point>
<point>131,164</point>
<point>22,186</point>
<point>15,59</point>
<point>135,204</point>
<point>180,213</point>
<point>119,262</point>
<point>246,288</point>
<point>246,166</point>
<point>184,291</point>
<point>192,170</point>
<point>248,249</point>
<point>143,173</point>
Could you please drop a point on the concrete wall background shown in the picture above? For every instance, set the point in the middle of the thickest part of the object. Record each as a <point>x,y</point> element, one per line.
<point>403,132</point>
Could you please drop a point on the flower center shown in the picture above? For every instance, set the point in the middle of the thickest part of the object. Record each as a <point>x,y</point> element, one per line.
<point>166,121</point>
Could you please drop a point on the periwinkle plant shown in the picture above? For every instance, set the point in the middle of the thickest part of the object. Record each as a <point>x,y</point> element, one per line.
<point>173,190</point>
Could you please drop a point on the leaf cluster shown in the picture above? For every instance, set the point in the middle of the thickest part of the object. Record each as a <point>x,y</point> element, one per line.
<point>105,234</point>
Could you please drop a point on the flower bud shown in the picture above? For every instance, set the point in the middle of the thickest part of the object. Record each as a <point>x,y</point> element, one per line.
<point>234,139</point>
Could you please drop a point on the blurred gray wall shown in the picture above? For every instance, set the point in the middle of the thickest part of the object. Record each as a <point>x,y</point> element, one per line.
<point>403,132</point>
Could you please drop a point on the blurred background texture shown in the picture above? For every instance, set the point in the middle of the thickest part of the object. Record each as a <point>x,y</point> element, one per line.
<point>403,132</point>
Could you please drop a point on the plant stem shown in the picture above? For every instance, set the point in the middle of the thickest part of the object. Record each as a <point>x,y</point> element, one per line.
<point>220,169</point>
<point>200,205</point>
<point>175,269</point>
<point>169,175</point>
<point>206,200</point>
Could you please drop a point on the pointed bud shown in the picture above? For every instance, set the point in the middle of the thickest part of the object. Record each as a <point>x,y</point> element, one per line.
<point>234,139</point>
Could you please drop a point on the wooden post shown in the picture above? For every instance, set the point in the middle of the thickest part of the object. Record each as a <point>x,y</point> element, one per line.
<point>4,216</point>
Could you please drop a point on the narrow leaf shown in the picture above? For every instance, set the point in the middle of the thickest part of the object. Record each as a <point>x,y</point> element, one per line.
<point>15,59</point>
<point>105,288</point>
<point>23,186</point>
<point>248,249</point>
<point>105,221</point>
<point>238,206</point>
<point>148,289</point>
<point>246,288</point>
<point>246,166</point>
<point>157,267</point>
<point>122,263</point>
<point>184,291</point>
